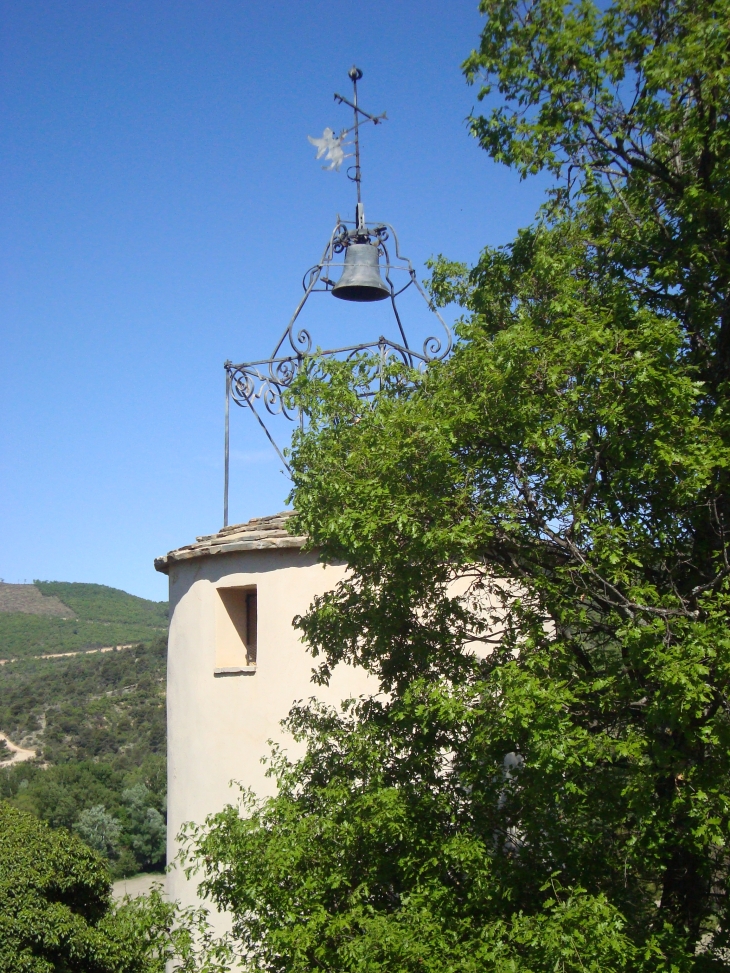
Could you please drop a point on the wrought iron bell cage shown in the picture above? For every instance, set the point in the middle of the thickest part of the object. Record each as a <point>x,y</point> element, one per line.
<point>379,273</point>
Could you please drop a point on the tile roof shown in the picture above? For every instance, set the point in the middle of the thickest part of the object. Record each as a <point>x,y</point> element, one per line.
<point>258,534</point>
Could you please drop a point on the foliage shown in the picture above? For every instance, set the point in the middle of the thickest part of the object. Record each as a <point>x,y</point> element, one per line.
<point>105,616</point>
<point>99,720</point>
<point>146,826</point>
<point>99,603</point>
<point>56,911</point>
<point>628,104</point>
<point>118,809</point>
<point>87,706</point>
<point>170,937</point>
<point>536,532</point>
<point>145,831</point>
<point>352,868</point>
<point>25,636</point>
<point>99,829</point>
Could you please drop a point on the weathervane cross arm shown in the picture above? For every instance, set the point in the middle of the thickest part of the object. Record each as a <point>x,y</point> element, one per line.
<point>375,119</point>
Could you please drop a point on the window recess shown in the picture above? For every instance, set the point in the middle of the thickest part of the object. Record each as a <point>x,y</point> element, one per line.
<point>236,631</point>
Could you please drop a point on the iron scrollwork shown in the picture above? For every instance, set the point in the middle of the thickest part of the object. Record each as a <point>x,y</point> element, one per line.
<point>268,380</point>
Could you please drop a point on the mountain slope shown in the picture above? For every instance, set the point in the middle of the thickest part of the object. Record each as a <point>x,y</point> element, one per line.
<point>89,706</point>
<point>96,616</point>
<point>96,720</point>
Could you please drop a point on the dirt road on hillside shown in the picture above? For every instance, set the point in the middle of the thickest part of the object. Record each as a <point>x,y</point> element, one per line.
<point>65,655</point>
<point>19,754</point>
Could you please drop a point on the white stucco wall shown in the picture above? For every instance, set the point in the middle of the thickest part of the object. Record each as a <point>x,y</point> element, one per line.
<point>218,725</point>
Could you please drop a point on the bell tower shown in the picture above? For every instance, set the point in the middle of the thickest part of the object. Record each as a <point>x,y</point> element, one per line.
<point>236,664</point>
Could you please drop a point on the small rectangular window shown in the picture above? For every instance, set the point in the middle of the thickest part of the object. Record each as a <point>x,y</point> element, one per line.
<point>236,631</point>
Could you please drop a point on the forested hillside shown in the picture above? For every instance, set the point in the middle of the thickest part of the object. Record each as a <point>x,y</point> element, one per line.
<point>95,720</point>
<point>98,616</point>
<point>88,706</point>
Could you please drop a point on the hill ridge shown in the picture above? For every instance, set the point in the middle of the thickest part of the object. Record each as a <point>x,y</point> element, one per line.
<point>59,617</point>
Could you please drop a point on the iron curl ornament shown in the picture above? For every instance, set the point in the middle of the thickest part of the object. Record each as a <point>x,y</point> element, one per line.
<point>368,262</point>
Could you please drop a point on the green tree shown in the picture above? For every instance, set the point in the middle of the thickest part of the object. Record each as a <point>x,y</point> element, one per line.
<point>56,913</point>
<point>146,828</point>
<point>100,830</point>
<point>537,538</point>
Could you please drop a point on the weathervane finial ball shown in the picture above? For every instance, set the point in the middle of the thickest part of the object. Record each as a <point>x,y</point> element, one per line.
<point>355,73</point>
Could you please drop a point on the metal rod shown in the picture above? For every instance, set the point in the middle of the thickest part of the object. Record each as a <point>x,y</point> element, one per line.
<point>268,435</point>
<point>301,411</point>
<point>331,351</point>
<point>227,450</point>
<point>400,325</point>
<point>300,305</point>
<point>355,74</point>
<point>375,119</point>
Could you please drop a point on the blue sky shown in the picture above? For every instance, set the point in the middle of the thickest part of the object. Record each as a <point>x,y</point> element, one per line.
<point>160,205</point>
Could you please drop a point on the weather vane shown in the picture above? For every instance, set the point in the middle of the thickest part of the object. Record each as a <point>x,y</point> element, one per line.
<point>356,249</point>
<point>331,146</point>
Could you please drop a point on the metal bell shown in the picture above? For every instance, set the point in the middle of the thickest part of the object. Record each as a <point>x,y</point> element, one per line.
<point>361,280</point>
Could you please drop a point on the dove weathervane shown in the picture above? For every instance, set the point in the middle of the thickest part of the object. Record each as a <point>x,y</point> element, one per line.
<point>354,248</point>
<point>330,146</point>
